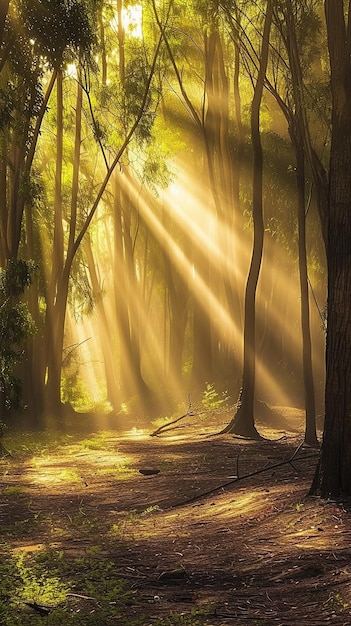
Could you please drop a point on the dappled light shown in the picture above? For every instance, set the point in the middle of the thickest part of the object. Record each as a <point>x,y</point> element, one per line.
<point>215,526</point>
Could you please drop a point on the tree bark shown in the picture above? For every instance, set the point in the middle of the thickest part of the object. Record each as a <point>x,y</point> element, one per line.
<point>60,279</point>
<point>127,297</point>
<point>332,479</point>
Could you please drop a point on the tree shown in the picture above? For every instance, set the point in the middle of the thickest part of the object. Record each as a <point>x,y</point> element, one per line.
<point>298,126</point>
<point>243,422</point>
<point>171,270</point>
<point>332,478</point>
<point>37,41</point>
<point>35,38</point>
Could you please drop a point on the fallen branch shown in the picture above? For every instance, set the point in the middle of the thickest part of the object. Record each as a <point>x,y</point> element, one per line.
<point>170,425</point>
<point>249,475</point>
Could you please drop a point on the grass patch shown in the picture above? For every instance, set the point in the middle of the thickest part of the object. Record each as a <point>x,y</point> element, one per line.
<point>23,445</point>
<point>118,470</point>
<point>79,591</point>
<point>52,587</point>
<point>94,443</point>
<point>12,491</point>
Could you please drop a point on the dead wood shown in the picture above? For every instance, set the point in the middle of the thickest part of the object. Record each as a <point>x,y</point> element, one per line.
<point>236,479</point>
<point>191,412</point>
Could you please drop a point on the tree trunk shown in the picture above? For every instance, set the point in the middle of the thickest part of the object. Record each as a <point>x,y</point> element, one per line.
<point>243,422</point>
<point>61,273</point>
<point>310,405</point>
<point>120,33</point>
<point>332,479</point>
<point>300,137</point>
<point>54,357</point>
<point>105,335</point>
<point>127,302</point>
<point>4,249</point>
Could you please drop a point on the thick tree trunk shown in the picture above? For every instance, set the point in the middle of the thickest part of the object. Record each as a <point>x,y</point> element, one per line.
<point>333,473</point>
<point>334,470</point>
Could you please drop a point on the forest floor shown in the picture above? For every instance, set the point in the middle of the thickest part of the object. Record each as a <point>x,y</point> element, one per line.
<point>192,544</point>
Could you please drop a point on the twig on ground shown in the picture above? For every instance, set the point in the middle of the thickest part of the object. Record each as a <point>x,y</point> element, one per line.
<point>78,595</point>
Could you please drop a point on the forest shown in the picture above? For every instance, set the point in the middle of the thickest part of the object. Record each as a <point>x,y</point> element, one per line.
<point>174,212</point>
<point>175,246</point>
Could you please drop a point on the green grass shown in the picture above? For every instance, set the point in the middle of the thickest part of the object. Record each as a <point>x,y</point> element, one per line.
<point>26,444</point>
<point>83,590</point>
<point>94,443</point>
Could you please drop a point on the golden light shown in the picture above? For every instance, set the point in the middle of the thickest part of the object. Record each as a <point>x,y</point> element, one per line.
<point>71,71</point>
<point>60,470</point>
<point>190,234</point>
<point>133,20</point>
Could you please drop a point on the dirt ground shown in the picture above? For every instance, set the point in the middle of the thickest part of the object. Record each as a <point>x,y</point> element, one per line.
<point>224,525</point>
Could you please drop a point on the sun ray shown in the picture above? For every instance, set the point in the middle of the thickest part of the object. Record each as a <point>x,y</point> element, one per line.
<point>184,223</point>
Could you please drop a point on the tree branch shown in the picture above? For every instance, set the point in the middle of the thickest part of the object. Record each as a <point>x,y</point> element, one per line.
<point>249,475</point>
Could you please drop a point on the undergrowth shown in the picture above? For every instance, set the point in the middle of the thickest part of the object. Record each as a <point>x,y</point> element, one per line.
<point>80,591</point>
<point>50,587</point>
<point>45,585</point>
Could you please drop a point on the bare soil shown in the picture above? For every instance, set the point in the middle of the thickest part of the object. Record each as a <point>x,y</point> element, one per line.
<point>225,525</point>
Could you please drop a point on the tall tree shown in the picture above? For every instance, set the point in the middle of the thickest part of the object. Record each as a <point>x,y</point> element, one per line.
<point>333,472</point>
<point>243,422</point>
<point>295,110</point>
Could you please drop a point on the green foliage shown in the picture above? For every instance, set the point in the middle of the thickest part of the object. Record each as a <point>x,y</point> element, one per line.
<point>212,399</point>
<point>37,586</point>
<point>48,577</point>
<point>16,325</point>
<point>16,277</point>
<point>57,27</point>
